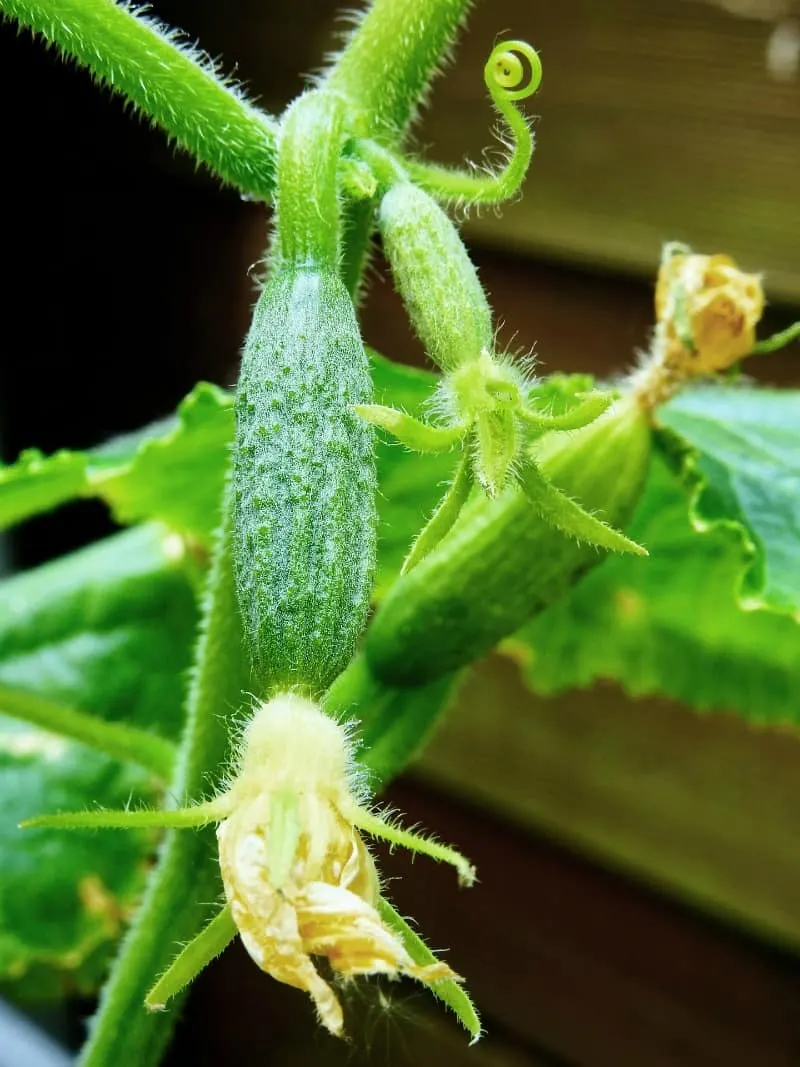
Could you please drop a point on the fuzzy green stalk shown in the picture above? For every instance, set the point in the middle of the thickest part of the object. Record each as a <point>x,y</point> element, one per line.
<point>173,84</point>
<point>176,903</point>
<point>390,59</point>
<point>308,228</point>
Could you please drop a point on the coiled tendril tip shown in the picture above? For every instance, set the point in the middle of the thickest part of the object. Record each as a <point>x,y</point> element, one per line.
<point>504,72</point>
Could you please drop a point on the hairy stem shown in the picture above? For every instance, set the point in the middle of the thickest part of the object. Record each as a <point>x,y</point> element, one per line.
<point>308,231</point>
<point>391,58</point>
<point>125,743</point>
<point>179,896</point>
<point>358,223</point>
<point>173,84</point>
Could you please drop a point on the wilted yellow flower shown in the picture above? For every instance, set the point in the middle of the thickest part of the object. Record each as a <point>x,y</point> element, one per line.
<point>708,309</point>
<point>298,877</point>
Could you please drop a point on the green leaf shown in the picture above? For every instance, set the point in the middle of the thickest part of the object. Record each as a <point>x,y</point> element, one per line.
<point>178,476</point>
<point>37,483</point>
<point>107,630</point>
<point>670,624</point>
<point>743,462</point>
<point>172,471</point>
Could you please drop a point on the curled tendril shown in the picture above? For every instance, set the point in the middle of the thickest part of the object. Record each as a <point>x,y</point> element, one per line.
<point>504,72</point>
<point>505,76</point>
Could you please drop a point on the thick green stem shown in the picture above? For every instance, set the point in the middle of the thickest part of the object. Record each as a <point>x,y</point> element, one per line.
<point>180,894</point>
<point>122,742</point>
<point>391,58</point>
<point>308,198</point>
<point>172,83</point>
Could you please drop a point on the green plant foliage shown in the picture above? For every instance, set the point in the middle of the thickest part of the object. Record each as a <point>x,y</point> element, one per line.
<point>108,630</point>
<point>97,649</point>
<point>172,471</point>
<point>670,624</point>
<point>744,466</point>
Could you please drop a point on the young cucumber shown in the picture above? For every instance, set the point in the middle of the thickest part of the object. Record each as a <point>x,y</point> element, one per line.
<point>501,565</point>
<point>304,482</point>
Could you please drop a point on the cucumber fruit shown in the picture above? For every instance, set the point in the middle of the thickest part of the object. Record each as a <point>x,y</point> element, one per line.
<point>304,482</point>
<point>501,565</point>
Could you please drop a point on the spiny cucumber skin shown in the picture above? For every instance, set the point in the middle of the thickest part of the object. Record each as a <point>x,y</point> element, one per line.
<point>435,277</point>
<point>500,565</point>
<point>304,483</point>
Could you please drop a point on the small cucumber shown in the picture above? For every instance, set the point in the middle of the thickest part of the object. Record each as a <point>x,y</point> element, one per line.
<point>435,277</point>
<point>501,565</point>
<point>304,482</point>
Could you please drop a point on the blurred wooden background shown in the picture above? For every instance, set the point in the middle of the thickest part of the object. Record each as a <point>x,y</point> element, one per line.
<point>640,895</point>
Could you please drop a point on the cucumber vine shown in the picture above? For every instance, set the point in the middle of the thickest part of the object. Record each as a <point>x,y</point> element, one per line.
<point>298,710</point>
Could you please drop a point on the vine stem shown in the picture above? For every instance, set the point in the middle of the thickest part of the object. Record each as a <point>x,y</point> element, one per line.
<point>390,59</point>
<point>172,83</point>
<point>181,891</point>
<point>308,229</point>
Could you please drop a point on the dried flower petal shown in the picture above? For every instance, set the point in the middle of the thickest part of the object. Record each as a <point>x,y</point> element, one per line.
<point>294,796</point>
<point>718,303</point>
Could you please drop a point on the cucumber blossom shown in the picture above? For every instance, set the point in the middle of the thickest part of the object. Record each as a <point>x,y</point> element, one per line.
<point>501,565</point>
<point>303,482</point>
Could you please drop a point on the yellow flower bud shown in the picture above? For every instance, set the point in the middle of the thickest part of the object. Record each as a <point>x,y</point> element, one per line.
<point>709,310</point>
<point>298,877</point>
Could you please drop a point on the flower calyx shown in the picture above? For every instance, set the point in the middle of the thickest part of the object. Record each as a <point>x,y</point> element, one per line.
<point>493,412</point>
<point>298,877</point>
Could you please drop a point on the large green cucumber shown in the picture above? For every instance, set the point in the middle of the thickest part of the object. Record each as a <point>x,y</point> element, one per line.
<point>304,482</point>
<point>501,565</point>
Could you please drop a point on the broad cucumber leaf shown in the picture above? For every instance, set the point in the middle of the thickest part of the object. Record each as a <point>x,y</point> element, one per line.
<point>38,483</point>
<point>670,624</point>
<point>176,477</point>
<point>172,471</point>
<point>108,630</point>
<point>743,462</point>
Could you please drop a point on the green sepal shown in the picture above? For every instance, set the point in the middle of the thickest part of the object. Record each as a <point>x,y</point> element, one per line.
<point>445,515</point>
<point>585,411</point>
<point>415,434</point>
<point>211,942</point>
<point>450,992</point>
<point>559,510</point>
